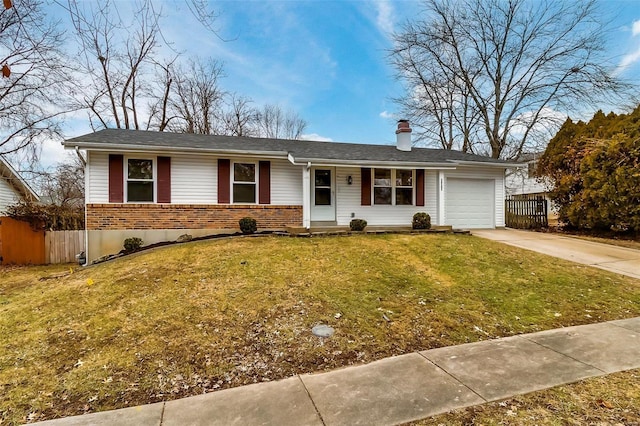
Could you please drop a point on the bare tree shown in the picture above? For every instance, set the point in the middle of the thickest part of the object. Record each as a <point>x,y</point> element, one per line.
<point>34,81</point>
<point>127,79</point>
<point>197,97</point>
<point>64,187</point>
<point>500,71</point>
<point>239,117</point>
<point>117,58</point>
<point>159,115</point>
<point>129,84</point>
<point>273,122</point>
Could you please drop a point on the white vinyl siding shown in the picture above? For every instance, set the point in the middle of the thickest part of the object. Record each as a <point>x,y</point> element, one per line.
<point>8,195</point>
<point>194,180</point>
<point>431,196</point>
<point>97,179</point>
<point>348,201</point>
<point>286,183</point>
<point>517,182</point>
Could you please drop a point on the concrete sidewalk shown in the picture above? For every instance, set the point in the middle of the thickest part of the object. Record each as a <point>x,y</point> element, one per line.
<point>403,388</point>
<point>611,258</point>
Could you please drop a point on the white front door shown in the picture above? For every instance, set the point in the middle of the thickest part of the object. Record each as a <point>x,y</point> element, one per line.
<point>323,194</point>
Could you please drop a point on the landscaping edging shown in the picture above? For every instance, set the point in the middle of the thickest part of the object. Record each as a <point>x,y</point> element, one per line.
<point>277,234</point>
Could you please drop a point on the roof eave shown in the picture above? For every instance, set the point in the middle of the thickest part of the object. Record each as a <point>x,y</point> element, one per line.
<point>90,146</point>
<point>502,165</point>
<point>372,163</point>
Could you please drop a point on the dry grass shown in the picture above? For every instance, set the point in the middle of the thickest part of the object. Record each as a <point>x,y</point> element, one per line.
<point>203,316</point>
<point>632,244</point>
<point>609,400</point>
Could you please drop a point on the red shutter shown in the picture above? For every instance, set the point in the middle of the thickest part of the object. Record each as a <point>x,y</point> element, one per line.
<point>419,187</point>
<point>224,181</point>
<point>116,178</point>
<point>164,180</point>
<point>365,189</point>
<point>264,192</point>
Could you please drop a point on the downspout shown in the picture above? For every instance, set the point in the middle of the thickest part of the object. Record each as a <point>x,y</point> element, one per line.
<point>82,160</point>
<point>86,232</point>
<point>441,198</point>
<point>306,196</point>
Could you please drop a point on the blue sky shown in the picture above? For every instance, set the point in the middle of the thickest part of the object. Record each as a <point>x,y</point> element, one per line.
<point>327,60</point>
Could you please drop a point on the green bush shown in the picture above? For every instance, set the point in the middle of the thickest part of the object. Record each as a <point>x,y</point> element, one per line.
<point>358,224</point>
<point>248,225</point>
<point>132,244</point>
<point>421,220</point>
<point>593,171</point>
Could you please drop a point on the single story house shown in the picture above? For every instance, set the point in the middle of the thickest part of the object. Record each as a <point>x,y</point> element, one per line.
<point>158,185</point>
<point>13,188</point>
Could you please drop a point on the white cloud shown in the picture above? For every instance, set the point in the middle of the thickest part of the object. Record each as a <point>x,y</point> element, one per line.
<point>53,153</point>
<point>387,115</point>
<point>633,57</point>
<point>385,16</point>
<point>315,137</point>
<point>628,60</point>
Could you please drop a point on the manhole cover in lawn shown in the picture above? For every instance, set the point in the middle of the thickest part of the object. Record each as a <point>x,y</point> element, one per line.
<point>322,330</point>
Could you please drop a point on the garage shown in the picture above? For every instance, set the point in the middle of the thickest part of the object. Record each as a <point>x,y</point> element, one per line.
<point>470,203</point>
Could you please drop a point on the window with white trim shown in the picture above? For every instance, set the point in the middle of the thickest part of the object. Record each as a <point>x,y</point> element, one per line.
<point>140,183</point>
<point>382,186</point>
<point>244,183</point>
<point>393,187</point>
<point>404,187</point>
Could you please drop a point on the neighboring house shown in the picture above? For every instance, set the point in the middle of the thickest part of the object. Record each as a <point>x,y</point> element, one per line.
<point>524,181</point>
<point>157,186</point>
<point>13,188</point>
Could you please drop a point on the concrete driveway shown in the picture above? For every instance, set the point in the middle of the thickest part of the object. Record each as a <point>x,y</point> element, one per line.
<point>621,260</point>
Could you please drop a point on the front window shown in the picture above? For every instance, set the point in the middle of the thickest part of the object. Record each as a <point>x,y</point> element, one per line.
<point>244,183</point>
<point>139,180</point>
<point>393,187</point>
<point>382,186</point>
<point>404,187</point>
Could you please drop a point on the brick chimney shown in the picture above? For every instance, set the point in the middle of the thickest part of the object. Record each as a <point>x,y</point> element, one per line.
<point>403,136</point>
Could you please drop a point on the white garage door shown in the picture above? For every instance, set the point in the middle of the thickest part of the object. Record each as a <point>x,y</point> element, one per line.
<point>470,203</point>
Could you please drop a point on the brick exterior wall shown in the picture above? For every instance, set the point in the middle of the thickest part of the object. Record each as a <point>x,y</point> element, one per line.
<point>188,216</point>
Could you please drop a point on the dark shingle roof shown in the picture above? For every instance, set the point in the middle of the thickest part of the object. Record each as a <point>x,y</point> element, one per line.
<point>301,150</point>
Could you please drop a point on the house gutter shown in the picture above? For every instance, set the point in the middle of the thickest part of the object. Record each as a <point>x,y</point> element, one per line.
<point>172,150</point>
<point>488,164</point>
<point>368,163</point>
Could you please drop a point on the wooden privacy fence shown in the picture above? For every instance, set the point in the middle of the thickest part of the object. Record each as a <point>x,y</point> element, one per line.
<point>526,213</point>
<point>62,246</point>
<point>20,244</point>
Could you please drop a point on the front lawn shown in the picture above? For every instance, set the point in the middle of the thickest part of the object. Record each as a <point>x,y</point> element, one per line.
<point>204,316</point>
<point>609,400</point>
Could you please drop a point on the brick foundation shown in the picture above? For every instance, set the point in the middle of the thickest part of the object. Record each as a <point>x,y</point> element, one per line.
<point>188,216</point>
